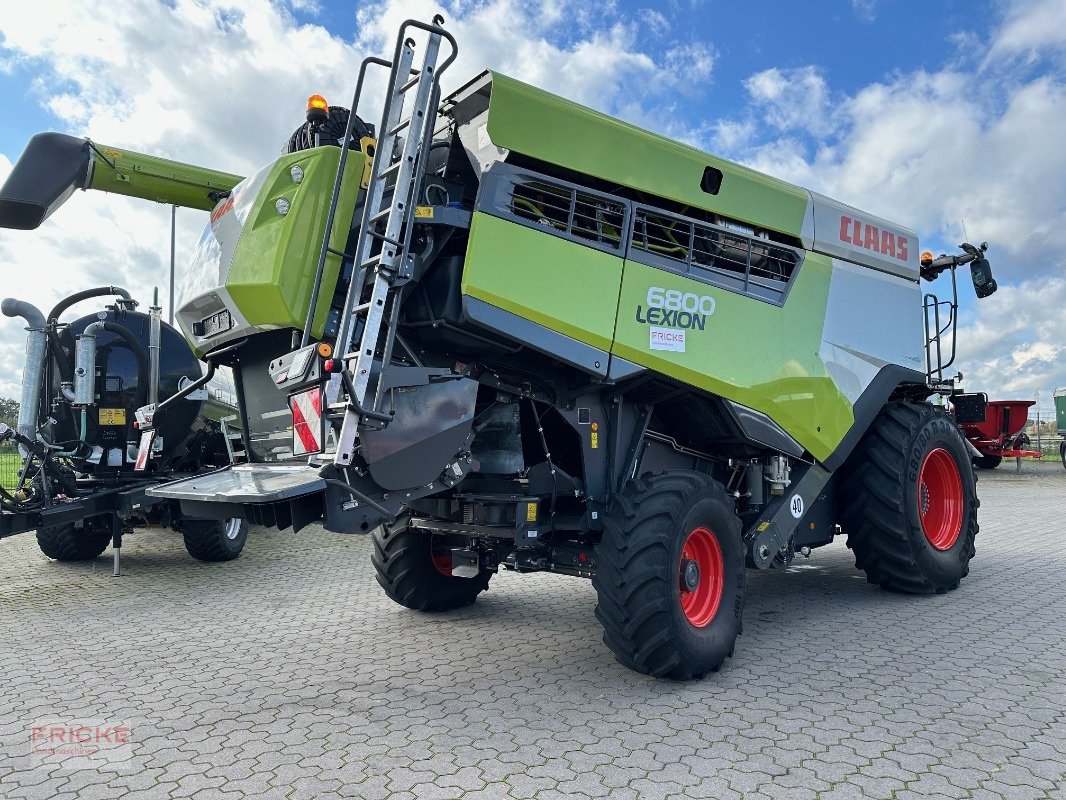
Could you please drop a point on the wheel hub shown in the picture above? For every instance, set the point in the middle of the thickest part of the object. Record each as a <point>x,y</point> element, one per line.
<point>233,528</point>
<point>690,575</point>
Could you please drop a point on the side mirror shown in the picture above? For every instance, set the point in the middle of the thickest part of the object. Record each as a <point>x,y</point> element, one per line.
<point>981,273</point>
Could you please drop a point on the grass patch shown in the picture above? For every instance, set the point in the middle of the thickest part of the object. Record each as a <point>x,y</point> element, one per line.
<point>10,464</point>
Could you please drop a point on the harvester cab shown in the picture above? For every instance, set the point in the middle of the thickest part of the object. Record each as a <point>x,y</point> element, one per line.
<point>495,347</point>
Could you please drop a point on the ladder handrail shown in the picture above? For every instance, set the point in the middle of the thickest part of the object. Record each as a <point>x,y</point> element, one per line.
<point>435,27</point>
<point>391,265</point>
<point>335,198</point>
<point>385,141</point>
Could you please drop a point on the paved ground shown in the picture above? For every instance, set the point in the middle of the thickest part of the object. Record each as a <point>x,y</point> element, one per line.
<point>287,674</point>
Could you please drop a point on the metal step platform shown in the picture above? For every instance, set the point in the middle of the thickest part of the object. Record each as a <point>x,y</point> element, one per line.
<point>244,483</point>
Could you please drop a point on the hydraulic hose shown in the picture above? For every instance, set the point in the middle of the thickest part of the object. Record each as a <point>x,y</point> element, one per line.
<point>33,372</point>
<point>77,297</point>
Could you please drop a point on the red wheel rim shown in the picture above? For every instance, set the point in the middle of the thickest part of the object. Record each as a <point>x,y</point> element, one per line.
<point>700,602</point>
<point>442,559</point>
<point>940,499</point>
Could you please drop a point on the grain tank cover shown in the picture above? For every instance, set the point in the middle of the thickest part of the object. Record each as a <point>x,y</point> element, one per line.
<point>498,116</point>
<point>505,115</point>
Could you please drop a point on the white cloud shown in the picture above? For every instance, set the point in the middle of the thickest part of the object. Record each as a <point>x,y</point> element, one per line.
<point>1011,344</point>
<point>792,99</point>
<point>307,6</point>
<point>691,65</point>
<point>866,10</point>
<point>1031,27</point>
<point>604,68</point>
<point>654,20</point>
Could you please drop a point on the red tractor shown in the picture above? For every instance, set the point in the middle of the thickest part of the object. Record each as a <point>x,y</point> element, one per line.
<point>993,428</point>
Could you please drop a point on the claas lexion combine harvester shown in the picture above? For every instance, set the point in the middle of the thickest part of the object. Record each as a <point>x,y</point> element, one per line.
<point>504,331</point>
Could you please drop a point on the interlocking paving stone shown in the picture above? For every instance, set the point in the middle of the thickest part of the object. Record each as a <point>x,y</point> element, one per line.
<point>287,674</point>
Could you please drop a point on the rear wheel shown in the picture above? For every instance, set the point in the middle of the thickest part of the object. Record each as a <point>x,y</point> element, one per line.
<point>911,512</point>
<point>214,540</point>
<point>67,543</point>
<point>670,576</point>
<point>987,462</point>
<point>415,570</point>
<point>1062,454</point>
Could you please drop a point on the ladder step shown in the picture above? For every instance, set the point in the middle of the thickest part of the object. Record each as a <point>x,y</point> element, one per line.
<point>382,237</point>
<point>413,81</point>
<point>383,214</point>
<point>401,125</point>
<point>390,169</point>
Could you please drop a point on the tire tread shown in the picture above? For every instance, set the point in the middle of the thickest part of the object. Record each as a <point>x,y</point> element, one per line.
<point>875,518</point>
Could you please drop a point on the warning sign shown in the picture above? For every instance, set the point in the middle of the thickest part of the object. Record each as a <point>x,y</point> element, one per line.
<point>308,432</point>
<point>112,416</point>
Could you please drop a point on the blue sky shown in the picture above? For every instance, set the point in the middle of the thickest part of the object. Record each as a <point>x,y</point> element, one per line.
<point>924,112</point>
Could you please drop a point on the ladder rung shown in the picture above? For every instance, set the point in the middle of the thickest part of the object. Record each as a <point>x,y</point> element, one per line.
<point>382,237</point>
<point>359,309</point>
<point>383,214</point>
<point>403,123</point>
<point>413,81</point>
<point>390,169</point>
<point>370,261</point>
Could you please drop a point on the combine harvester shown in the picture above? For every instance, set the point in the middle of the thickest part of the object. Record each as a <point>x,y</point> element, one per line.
<point>528,336</point>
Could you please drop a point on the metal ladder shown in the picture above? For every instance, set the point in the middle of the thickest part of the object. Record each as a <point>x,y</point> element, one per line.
<point>388,221</point>
<point>234,438</point>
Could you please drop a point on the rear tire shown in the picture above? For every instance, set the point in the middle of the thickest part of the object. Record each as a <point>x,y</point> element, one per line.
<point>415,576</point>
<point>661,616</point>
<point>1062,454</point>
<point>65,543</point>
<point>214,540</point>
<point>911,513</point>
<point>987,462</point>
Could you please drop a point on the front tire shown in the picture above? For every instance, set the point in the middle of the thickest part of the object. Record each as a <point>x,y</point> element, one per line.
<point>670,576</point>
<point>65,543</point>
<point>911,501</point>
<point>415,571</point>
<point>214,540</point>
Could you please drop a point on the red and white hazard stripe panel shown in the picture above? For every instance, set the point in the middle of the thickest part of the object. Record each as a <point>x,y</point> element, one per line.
<point>308,432</point>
